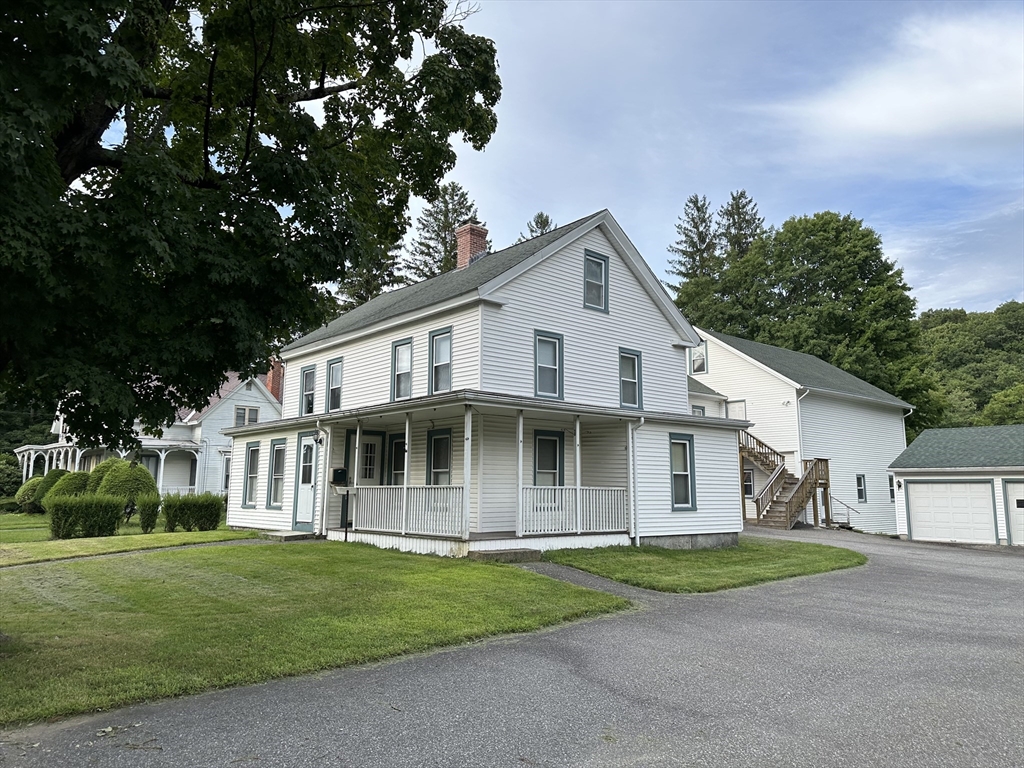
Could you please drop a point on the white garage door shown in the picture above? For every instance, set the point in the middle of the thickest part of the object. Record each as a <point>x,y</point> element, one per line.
<point>952,512</point>
<point>1015,502</point>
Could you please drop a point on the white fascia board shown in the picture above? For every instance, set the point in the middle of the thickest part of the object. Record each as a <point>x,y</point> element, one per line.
<point>862,398</point>
<point>756,363</point>
<point>466,299</point>
<point>625,248</point>
<point>1009,471</point>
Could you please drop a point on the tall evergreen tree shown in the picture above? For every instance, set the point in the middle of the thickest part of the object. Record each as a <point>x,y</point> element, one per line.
<point>369,277</point>
<point>435,249</point>
<point>697,265</point>
<point>738,225</point>
<point>540,224</point>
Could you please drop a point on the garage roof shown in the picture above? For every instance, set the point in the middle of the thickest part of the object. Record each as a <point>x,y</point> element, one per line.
<point>965,447</point>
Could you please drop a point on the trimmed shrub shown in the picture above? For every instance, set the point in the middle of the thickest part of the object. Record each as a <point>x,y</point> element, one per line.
<point>100,471</point>
<point>84,516</point>
<point>71,484</point>
<point>34,505</point>
<point>8,505</point>
<point>27,492</point>
<point>128,482</point>
<point>10,474</point>
<point>148,506</point>
<point>202,512</point>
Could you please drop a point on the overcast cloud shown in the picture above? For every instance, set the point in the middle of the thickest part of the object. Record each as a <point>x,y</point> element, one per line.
<point>907,115</point>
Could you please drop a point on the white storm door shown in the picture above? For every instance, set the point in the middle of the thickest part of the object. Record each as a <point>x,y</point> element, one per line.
<point>306,481</point>
<point>1015,512</point>
<point>959,512</point>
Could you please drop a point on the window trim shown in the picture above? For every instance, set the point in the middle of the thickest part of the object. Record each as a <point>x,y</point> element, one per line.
<point>249,448</point>
<point>431,434</point>
<point>695,408</point>
<point>393,439</point>
<point>604,260</point>
<point>745,473</point>
<point>302,390</point>
<point>861,483</point>
<point>703,345</point>
<point>339,361</point>
<point>394,356</point>
<point>281,443</point>
<point>225,473</point>
<point>677,437</point>
<point>560,340</point>
<point>430,360</point>
<point>623,352</point>
<point>892,489</point>
<point>558,435</point>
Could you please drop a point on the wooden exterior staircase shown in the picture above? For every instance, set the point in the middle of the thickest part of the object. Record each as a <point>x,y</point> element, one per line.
<point>784,497</point>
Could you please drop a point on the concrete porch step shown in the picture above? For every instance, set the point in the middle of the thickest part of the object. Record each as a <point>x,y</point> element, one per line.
<point>286,536</point>
<point>506,555</point>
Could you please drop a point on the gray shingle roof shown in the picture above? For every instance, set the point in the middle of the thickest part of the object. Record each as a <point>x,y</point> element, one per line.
<point>697,388</point>
<point>806,370</point>
<point>437,289</point>
<point>965,447</point>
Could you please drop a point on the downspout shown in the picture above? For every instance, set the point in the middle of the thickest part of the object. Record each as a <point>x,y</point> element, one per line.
<point>322,523</point>
<point>632,473</point>
<point>800,434</point>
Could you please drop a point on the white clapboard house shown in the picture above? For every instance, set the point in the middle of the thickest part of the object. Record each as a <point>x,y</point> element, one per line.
<point>531,398</point>
<point>193,455</point>
<point>819,433</point>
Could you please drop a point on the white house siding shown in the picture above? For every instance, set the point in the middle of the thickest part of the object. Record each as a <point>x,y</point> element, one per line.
<point>716,460</point>
<point>549,297</point>
<point>177,469</point>
<point>764,393</point>
<point>260,516</point>
<point>1002,484</point>
<point>713,407</point>
<point>366,368</point>
<point>604,455</point>
<point>858,437</point>
<point>499,470</point>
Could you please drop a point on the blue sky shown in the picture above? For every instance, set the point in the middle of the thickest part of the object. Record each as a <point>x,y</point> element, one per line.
<point>908,115</point>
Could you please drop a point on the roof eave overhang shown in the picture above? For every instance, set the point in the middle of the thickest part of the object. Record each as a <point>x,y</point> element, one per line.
<point>1009,470</point>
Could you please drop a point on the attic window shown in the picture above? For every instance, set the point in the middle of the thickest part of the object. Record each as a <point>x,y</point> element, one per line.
<point>248,386</point>
<point>699,358</point>
<point>595,281</point>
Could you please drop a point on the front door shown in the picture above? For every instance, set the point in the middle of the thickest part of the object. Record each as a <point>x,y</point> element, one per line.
<point>371,460</point>
<point>306,489</point>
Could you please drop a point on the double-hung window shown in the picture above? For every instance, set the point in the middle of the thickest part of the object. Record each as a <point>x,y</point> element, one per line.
<point>684,490</point>
<point>275,491</point>
<point>595,281</point>
<point>862,489</point>
<point>401,369</point>
<point>548,358</point>
<point>308,378</point>
<point>548,458</point>
<point>227,474</point>
<point>892,488</point>
<point>245,416</point>
<point>398,461</point>
<point>252,464</point>
<point>334,369</point>
<point>439,457</point>
<point>699,358</point>
<point>697,410</point>
<point>630,387</point>
<point>748,483</point>
<point>441,361</point>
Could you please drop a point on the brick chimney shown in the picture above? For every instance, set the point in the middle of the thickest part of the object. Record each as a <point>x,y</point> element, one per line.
<point>275,378</point>
<point>472,241</point>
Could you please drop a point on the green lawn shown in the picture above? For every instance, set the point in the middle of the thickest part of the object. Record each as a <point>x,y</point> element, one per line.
<point>26,539</point>
<point>708,570</point>
<point>91,634</point>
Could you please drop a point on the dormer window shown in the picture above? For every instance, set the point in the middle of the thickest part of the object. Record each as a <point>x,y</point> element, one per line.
<point>595,281</point>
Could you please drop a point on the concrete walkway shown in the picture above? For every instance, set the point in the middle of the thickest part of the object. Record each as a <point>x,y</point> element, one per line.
<point>916,659</point>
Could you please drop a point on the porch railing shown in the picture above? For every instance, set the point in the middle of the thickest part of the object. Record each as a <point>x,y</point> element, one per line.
<point>432,510</point>
<point>181,490</point>
<point>761,453</point>
<point>552,510</point>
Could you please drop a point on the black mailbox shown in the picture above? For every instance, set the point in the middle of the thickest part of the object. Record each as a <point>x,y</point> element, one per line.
<point>339,476</point>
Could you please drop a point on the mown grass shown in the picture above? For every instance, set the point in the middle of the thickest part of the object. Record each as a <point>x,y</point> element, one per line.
<point>26,539</point>
<point>708,570</point>
<point>92,634</point>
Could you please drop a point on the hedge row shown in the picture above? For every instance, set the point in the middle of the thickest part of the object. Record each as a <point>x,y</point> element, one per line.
<point>73,517</point>
<point>201,512</point>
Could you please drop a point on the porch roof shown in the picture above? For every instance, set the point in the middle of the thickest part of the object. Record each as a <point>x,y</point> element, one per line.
<point>488,400</point>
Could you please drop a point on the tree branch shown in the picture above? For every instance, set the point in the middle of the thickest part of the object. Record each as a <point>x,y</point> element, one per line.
<point>319,92</point>
<point>209,111</point>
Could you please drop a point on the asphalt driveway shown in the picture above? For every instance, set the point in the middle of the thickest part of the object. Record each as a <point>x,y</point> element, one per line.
<point>916,659</point>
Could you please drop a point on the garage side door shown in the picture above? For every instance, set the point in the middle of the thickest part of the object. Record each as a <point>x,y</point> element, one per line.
<point>959,512</point>
<point>1015,512</point>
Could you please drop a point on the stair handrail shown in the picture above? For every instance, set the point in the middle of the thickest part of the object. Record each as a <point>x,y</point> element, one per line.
<point>771,489</point>
<point>765,451</point>
<point>815,471</point>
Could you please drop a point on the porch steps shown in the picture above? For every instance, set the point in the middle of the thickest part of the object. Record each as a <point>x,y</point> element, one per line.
<point>506,555</point>
<point>775,517</point>
<point>285,536</point>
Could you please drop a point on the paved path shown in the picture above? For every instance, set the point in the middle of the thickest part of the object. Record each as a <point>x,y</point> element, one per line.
<point>916,659</point>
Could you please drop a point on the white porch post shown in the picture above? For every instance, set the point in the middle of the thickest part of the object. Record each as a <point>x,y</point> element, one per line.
<point>78,459</point>
<point>579,517</point>
<point>160,471</point>
<point>46,463</point>
<point>629,478</point>
<point>467,469</point>
<point>519,473</point>
<point>405,474</point>
<point>354,501</point>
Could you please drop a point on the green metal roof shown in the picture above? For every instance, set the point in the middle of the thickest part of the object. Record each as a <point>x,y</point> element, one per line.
<point>965,447</point>
<point>445,286</point>
<point>697,388</point>
<point>806,370</point>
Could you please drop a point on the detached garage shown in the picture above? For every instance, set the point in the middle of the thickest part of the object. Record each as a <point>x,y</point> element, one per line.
<point>962,485</point>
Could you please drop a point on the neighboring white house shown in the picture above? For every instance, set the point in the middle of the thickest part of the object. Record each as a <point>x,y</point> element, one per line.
<point>192,456</point>
<point>803,408</point>
<point>962,485</point>
<point>527,399</point>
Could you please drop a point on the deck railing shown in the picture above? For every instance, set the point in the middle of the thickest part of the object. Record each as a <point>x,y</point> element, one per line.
<point>771,489</point>
<point>764,454</point>
<point>431,510</point>
<point>553,510</point>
